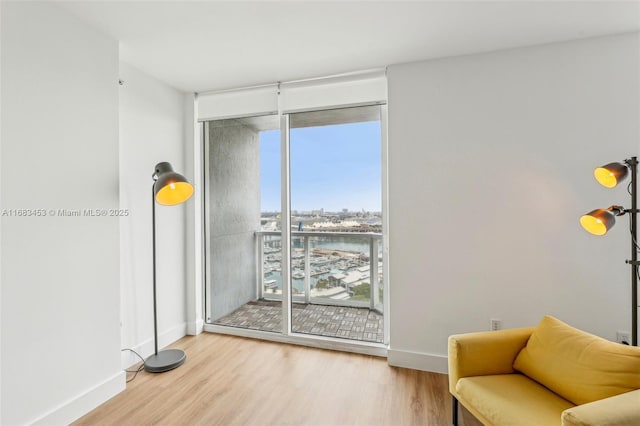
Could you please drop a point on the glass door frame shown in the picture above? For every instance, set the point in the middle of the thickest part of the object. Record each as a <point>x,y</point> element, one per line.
<point>285,225</point>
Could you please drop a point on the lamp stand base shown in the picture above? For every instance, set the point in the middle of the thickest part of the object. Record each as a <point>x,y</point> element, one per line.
<point>164,361</point>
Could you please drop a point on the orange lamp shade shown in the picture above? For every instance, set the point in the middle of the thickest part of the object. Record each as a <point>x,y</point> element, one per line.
<point>170,188</point>
<point>598,222</point>
<point>174,193</point>
<point>611,174</point>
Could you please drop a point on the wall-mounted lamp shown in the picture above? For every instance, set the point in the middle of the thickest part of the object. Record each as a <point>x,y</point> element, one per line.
<point>599,221</point>
<point>169,188</point>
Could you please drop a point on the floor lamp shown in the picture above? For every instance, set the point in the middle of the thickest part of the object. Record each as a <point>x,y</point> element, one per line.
<point>599,221</point>
<point>169,188</point>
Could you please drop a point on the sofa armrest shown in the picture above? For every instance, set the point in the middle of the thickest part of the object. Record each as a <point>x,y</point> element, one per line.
<point>484,353</point>
<point>619,410</point>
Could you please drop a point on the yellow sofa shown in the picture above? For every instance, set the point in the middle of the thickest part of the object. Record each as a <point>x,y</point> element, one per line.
<point>552,374</point>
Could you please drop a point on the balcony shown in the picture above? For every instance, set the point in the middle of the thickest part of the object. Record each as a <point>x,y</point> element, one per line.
<point>336,286</point>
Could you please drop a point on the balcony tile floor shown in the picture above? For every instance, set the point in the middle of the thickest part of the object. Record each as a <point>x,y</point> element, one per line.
<point>360,324</point>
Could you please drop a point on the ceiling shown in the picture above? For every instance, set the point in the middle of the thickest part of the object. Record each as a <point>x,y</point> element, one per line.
<point>205,45</point>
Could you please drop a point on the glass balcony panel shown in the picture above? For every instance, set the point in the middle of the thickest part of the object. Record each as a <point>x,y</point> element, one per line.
<point>340,268</point>
<point>272,266</point>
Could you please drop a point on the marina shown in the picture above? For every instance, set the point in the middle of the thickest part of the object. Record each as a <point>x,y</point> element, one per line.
<point>333,262</point>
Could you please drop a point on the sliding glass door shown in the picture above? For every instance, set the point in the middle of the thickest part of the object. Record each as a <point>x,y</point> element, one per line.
<point>242,198</point>
<point>294,225</point>
<point>336,219</point>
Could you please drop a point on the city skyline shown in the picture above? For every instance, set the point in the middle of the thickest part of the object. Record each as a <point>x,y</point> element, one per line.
<point>333,167</point>
<point>324,211</point>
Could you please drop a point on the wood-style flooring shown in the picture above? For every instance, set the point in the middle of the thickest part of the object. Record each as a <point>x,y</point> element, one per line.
<point>229,380</point>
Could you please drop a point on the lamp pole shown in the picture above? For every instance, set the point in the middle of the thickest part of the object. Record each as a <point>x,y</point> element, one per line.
<point>632,163</point>
<point>155,309</point>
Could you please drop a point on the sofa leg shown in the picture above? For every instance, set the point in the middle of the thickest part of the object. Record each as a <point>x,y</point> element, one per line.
<point>454,411</point>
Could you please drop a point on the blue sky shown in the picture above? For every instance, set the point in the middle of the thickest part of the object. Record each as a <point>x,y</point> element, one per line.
<point>332,167</point>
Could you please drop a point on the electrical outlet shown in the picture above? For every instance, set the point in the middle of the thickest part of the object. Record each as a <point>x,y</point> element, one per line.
<point>496,324</point>
<point>623,337</point>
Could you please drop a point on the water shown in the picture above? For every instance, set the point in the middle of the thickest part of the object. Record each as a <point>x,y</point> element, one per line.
<point>343,244</point>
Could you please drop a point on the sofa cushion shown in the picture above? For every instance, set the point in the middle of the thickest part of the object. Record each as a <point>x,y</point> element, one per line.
<point>510,399</point>
<point>619,410</point>
<point>577,365</point>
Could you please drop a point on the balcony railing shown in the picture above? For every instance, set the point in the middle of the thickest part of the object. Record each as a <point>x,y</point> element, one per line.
<point>329,268</point>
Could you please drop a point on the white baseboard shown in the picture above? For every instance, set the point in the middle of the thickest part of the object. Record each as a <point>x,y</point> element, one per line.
<point>146,347</point>
<point>195,327</point>
<point>77,407</point>
<point>418,361</point>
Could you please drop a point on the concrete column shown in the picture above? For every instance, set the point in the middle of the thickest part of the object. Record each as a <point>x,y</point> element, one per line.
<point>234,206</point>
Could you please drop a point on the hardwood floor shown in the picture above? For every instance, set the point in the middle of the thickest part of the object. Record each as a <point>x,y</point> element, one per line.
<point>230,380</point>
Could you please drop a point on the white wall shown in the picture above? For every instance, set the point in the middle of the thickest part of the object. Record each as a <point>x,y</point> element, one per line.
<point>151,131</point>
<point>60,275</point>
<point>490,167</point>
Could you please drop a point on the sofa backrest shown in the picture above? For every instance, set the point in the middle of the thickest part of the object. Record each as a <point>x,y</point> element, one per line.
<point>577,365</point>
